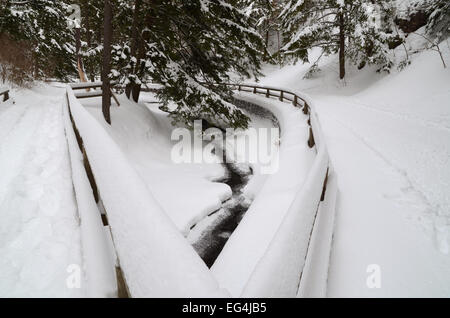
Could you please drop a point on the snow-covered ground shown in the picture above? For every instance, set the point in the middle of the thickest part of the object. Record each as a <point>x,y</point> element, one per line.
<point>39,227</point>
<point>388,138</point>
<point>389,141</point>
<point>187,192</point>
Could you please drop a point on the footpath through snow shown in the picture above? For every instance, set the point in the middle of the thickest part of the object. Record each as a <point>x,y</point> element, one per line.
<point>39,228</point>
<point>389,141</point>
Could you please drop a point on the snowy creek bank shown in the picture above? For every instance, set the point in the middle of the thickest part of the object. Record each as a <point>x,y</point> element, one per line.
<point>210,234</point>
<point>192,194</point>
<point>272,196</point>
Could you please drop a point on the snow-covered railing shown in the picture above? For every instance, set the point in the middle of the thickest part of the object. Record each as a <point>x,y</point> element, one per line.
<point>156,260</point>
<point>288,268</point>
<point>5,92</point>
<point>84,85</point>
<point>98,257</point>
<point>88,93</point>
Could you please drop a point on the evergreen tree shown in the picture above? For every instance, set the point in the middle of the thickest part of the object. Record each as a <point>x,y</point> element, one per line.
<point>264,17</point>
<point>41,27</point>
<point>348,27</point>
<point>92,36</point>
<point>188,47</point>
<point>106,66</point>
<point>438,25</point>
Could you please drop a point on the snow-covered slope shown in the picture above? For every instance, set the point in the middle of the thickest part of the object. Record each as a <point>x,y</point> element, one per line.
<point>389,141</point>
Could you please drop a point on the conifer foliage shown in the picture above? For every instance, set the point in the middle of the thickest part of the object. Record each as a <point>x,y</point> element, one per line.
<point>40,28</point>
<point>188,47</point>
<point>353,28</point>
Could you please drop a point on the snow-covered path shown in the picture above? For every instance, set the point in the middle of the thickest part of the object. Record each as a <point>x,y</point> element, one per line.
<point>39,228</point>
<point>393,179</point>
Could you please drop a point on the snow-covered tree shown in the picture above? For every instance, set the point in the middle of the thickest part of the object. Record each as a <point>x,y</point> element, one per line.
<point>438,25</point>
<point>352,28</point>
<point>188,47</point>
<point>264,15</point>
<point>91,32</point>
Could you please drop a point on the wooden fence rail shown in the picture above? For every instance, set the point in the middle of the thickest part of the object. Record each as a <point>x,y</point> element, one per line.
<point>281,95</point>
<point>5,92</point>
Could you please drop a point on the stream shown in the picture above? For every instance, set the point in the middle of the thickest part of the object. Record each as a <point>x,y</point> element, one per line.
<point>209,236</point>
<point>211,233</point>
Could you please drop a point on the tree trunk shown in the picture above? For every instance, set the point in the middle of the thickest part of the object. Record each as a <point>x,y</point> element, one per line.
<point>267,44</point>
<point>131,87</point>
<point>90,72</point>
<point>107,39</point>
<point>80,66</point>
<point>341,46</point>
<point>136,92</point>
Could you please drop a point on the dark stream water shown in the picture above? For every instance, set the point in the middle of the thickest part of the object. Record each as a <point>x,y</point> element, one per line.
<point>213,238</point>
<point>213,232</point>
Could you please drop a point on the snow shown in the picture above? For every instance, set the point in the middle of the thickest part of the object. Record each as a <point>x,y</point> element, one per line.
<point>274,278</point>
<point>94,93</point>
<point>98,255</point>
<point>156,259</point>
<point>39,231</point>
<point>314,277</point>
<point>388,139</point>
<point>187,192</point>
<point>278,272</point>
<point>3,89</point>
<point>386,206</point>
<point>250,240</point>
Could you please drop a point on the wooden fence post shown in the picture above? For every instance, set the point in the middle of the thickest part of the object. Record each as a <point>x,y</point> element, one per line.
<point>268,93</point>
<point>311,142</point>
<point>322,197</point>
<point>306,109</point>
<point>295,101</point>
<point>281,96</point>
<point>254,90</point>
